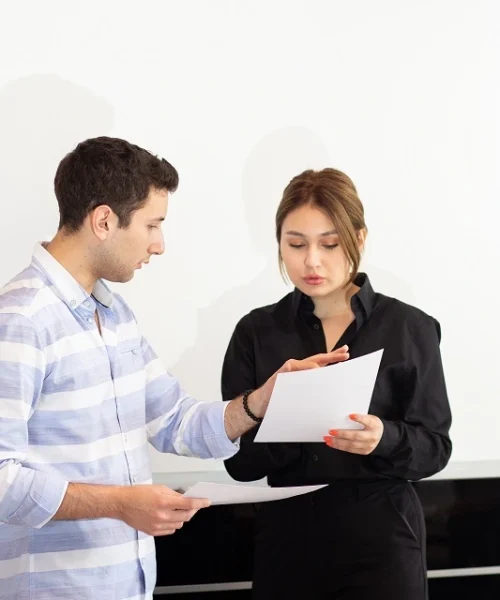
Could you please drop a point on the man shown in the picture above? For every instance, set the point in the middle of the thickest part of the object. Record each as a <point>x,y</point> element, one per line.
<point>82,393</point>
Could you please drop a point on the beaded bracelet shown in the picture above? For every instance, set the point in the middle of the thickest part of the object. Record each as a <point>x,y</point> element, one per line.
<point>247,409</point>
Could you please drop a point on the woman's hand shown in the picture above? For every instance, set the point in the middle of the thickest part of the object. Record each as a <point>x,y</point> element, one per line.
<point>357,441</point>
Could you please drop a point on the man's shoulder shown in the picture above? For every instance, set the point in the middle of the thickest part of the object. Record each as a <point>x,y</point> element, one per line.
<point>24,294</point>
<point>122,310</point>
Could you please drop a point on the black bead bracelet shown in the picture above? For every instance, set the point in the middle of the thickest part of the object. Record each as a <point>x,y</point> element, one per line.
<point>247,409</point>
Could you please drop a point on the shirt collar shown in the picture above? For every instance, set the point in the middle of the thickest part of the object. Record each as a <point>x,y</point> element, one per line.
<point>69,289</point>
<point>365,297</point>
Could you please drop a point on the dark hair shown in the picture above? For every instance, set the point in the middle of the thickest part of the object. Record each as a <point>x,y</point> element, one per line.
<point>334,193</point>
<point>108,171</point>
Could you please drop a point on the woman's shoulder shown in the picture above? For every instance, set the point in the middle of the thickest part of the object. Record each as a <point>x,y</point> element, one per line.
<point>268,314</point>
<point>413,317</point>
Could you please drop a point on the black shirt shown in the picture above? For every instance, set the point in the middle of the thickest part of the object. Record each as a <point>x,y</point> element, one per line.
<point>409,397</point>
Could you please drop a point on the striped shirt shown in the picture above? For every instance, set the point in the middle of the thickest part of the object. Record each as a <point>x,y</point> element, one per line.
<point>81,406</point>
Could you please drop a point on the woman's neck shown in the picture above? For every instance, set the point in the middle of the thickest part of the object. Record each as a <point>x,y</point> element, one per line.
<point>336,304</point>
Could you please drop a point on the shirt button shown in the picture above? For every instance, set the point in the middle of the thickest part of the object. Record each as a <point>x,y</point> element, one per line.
<point>316,326</point>
<point>315,457</point>
<point>73,303</point>
<point>90,320</point>
<point>86,303</point>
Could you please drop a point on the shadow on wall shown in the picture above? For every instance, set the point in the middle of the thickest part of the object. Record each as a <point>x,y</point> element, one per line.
<point>42,118</point>
<point>271,164</point>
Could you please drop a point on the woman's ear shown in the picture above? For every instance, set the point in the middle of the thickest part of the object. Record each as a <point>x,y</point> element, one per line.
<point>362,233</point>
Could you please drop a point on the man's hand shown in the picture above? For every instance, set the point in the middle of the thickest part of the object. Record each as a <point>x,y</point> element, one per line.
<point>237,422</point>
<point>259,399</point>
<point>357,441</point>
<point>156,509</point>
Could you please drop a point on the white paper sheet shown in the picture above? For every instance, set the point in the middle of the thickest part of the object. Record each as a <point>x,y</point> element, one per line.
<point>305,405</point>
<point>221,493</point>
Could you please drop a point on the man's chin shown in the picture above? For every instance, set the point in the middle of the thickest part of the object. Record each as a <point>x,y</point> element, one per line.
<point>122,278</point>
<point>127,277</point>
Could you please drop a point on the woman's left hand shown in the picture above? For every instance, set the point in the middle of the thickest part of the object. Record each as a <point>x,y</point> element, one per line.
<point>357,441</point>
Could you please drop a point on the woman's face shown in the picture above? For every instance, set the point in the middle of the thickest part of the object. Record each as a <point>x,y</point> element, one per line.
<point>314,260</point>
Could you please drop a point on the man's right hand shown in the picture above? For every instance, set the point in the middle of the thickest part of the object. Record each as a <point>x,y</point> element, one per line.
<point>156,509</point>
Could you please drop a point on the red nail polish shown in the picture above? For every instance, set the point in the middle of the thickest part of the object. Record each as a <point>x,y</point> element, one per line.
<point>333,432</point>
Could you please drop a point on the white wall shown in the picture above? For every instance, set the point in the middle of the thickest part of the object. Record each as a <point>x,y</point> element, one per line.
<point>240,96</point>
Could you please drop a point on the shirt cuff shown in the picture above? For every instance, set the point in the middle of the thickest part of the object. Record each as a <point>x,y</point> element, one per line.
<point>213,441</point>
<point>389,441</point>
<point>236,442</point>
<point>41,503</point>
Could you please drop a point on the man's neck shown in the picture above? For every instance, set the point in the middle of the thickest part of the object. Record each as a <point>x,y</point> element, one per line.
<point>70,252</point>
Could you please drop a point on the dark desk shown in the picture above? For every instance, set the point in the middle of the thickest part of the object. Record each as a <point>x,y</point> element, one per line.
<point>211,557</point>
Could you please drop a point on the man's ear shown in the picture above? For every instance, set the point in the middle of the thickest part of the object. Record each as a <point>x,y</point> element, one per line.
<point>102,221</point>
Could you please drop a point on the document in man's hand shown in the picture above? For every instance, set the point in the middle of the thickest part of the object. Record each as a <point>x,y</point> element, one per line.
<point>219,493</point>
<point>305,405</point>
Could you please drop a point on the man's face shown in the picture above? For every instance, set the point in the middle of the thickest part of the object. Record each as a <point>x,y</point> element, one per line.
<point>127,249</point>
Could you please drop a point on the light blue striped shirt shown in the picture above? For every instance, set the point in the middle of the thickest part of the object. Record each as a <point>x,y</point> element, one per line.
<point>80,406</point>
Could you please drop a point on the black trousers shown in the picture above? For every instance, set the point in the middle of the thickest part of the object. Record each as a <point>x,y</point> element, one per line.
<point>349,541</point>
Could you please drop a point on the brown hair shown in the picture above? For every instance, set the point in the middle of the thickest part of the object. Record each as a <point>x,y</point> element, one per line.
<point>108,171</point>
<point>334,193</point>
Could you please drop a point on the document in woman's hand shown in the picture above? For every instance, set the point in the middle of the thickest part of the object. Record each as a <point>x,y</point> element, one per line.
<point>306,404</point>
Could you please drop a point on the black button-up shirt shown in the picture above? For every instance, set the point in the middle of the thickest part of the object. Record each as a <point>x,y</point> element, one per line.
<point>409,397</point>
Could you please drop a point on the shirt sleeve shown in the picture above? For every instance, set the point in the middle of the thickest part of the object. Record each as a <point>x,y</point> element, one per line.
<point>27,496</point>
<point>176,422</point>
<point>419,445</point>
<point>253,461</point>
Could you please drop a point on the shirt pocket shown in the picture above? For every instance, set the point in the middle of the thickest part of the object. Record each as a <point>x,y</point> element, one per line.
<point>130,358</point>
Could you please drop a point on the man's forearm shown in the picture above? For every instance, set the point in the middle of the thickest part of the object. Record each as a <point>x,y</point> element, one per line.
<point>90,501</point>
<point>236,421</point>
<point>153,509</point>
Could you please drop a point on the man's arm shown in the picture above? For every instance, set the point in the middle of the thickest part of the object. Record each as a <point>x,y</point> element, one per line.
<point>179,424</point>
<point>27,497</point>
<point>30,497</point>
<point>154,509</point>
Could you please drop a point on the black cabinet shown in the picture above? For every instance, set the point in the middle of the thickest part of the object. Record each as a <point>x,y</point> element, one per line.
<point>463,544</point>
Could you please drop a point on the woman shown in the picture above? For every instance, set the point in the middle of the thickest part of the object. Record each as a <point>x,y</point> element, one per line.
<point>362,536</point>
